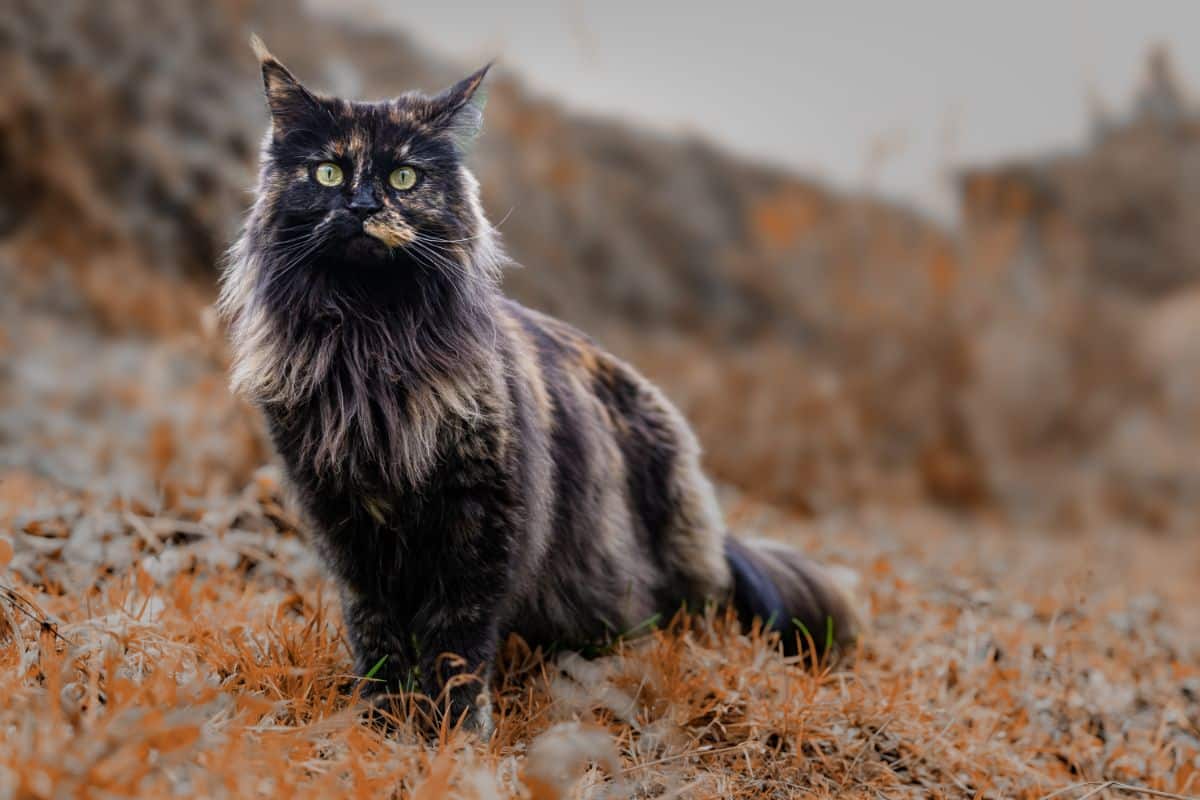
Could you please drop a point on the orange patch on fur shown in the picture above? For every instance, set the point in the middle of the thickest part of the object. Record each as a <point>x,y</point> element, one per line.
<point>391,234</point>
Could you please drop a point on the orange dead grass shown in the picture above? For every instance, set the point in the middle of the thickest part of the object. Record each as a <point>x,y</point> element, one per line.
<point>215,667</point>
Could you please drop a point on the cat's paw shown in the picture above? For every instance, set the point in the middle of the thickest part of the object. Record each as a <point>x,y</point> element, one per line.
<point>479,719</point>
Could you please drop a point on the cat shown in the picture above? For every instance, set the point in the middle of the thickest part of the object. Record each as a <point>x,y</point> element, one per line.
<point>468,467</point>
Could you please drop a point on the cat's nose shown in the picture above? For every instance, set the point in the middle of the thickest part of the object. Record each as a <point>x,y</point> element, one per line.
<point>365,202</point>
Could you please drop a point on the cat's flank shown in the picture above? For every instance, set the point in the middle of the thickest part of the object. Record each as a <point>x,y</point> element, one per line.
<point>468,467</point>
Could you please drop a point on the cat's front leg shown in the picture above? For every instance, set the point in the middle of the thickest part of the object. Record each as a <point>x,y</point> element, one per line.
<point>383,662</point>
<point>448,664</point>
<point>457,627</point>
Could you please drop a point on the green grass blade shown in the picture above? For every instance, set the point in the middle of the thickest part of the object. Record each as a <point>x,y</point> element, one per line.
<point>370,676</point>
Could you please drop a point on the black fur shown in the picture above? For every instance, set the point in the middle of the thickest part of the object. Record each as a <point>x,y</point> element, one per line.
<point>468,467</point>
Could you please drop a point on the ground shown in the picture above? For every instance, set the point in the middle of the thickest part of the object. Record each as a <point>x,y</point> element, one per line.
<point>164,630</point>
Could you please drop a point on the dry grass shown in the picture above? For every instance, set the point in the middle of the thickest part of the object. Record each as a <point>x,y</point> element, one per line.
<point>998,665</point>
<point>164,630</point>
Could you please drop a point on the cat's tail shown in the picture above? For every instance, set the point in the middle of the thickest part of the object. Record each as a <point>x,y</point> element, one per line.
<point>808,604</point>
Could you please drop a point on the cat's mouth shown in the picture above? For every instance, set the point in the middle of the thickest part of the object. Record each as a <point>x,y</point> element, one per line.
<point>359,239</point>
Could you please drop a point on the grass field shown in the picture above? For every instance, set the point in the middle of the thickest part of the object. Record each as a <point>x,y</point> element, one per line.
<point>165,631</point>
<point>216,667</point>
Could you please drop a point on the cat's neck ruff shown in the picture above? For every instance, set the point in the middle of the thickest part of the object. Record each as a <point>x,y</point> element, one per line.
<point>365,393</point>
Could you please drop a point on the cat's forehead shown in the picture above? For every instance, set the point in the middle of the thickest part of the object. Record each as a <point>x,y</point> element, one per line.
<point>355,130</point>
<point>362,126</point>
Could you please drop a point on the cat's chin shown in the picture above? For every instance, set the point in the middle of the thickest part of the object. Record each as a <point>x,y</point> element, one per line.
<point>366,251</point>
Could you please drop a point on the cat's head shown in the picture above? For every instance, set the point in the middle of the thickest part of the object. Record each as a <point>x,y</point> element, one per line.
<point>362,202</point>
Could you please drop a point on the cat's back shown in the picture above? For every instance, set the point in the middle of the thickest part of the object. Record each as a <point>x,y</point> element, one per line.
<point>564,364</point>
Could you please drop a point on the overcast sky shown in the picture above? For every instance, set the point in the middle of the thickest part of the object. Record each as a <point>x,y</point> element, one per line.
<point>820,86</point>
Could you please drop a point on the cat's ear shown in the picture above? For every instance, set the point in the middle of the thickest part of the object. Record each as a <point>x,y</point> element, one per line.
<point>459,109</point>
<point>288,100</point>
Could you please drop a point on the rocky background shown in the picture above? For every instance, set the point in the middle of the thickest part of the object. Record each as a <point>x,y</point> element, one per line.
<point>833,350</point>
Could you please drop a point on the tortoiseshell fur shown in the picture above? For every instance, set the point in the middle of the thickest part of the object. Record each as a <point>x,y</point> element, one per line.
<point>468,467</point>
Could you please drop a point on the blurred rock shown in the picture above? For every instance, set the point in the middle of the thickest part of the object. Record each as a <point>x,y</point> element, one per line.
<point>831,349</point>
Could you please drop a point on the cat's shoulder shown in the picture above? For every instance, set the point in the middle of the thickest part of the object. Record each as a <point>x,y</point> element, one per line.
<point>567,349</point>
<point>547,332</point>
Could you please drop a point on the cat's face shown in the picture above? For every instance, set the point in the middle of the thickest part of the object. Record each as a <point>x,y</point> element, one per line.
<point>366,195</point>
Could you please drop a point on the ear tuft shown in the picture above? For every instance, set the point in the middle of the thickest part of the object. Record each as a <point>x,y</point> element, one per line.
<point>260,50</point>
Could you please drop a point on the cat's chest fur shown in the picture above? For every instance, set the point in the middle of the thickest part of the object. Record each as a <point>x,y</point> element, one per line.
<point>376,410</point>
<point>383,528</point>
<point>400,446</point>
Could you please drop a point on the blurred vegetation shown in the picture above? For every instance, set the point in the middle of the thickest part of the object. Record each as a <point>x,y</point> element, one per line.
<point>832,350</point>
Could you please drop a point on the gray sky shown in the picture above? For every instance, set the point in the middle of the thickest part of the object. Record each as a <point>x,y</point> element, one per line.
<point>820,86</point>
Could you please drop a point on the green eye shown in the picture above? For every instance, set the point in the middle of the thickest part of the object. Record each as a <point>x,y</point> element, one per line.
<point>403,178</point>
<point>328,174</point>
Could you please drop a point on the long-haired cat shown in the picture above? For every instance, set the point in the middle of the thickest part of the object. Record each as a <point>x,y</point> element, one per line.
<point>468,467</point>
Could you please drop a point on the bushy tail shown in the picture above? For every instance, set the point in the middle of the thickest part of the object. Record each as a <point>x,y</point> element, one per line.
<point>792,595</point>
